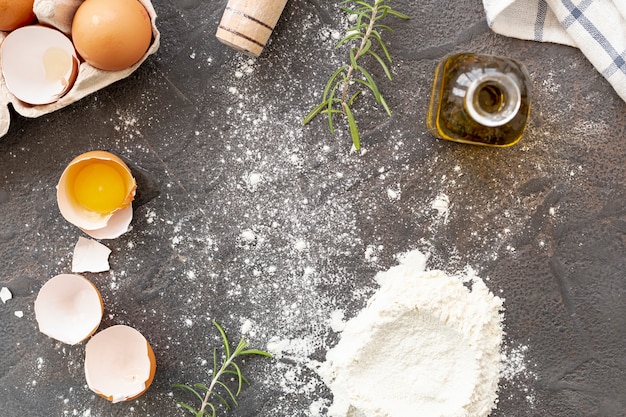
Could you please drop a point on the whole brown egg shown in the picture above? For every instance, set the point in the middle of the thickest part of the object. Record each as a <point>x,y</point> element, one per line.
<point>111,34</point>
<point>15,13</point>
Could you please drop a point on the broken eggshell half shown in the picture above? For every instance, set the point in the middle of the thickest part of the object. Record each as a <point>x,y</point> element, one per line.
<point>119,363</point>
<point>68,308</point>
<point>95,193</point>
<point>39,64</point>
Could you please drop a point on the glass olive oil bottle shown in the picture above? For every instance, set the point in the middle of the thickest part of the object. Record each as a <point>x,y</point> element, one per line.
<point>479,99</point>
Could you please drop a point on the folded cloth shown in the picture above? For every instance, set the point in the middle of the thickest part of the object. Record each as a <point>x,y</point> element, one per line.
<point>596,27</point>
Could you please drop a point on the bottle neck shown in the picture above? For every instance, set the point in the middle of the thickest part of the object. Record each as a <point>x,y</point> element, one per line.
<point>493,99</point>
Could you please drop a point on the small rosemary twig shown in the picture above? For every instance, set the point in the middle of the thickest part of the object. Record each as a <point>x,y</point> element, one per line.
<point>228,367</point>
<point>366,29</point>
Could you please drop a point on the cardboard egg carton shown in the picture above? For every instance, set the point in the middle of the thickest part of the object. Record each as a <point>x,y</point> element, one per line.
<point>89,79</point>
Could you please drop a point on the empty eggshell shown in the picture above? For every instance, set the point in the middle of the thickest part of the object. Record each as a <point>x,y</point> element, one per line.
<point>68,308</point>
<point>39,64</point>
<point>95,193</point>
<point>119,363</point>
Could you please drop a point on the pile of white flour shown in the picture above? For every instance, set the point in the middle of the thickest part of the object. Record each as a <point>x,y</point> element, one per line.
<point>425,345</point>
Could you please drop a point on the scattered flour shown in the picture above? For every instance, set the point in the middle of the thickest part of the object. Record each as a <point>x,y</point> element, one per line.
<point>425,345</point>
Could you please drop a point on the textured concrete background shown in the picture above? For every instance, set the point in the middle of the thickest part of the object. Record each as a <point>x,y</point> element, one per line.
<point>246,217</point>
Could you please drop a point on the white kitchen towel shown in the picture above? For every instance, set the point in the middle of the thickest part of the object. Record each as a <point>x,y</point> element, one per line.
<point>596,27</point>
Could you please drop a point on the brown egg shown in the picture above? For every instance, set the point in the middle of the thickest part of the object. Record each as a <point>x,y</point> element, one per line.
<point>111,34</point>
<point>15,13</point>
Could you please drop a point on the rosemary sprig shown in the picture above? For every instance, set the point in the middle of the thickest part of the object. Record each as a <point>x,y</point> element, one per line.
<point>366,34</point>
<point>228,395</point>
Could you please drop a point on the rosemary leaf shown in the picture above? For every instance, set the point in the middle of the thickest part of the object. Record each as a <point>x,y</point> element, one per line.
<point>384,27</point>
<point>374,34</point>
<point>186,407</point>
<point>229,392</point>
<point>331,81</point>
<point>370,83</point>
<point>381,62</point>
<point>364,4</point>
<point>202,387</point>
<point>349,37</point>
<point>385,105</point>
<point>255,352</point>
<point>354,96</point>
<point>316,110</point>
<point>222,400</point>
<point>354,131</point>
<point>358,27</point>
<point>239,377</point>
<point>353,63</point>
<point>397,14</point>
<point>188,388</point>
<point>366,47</point>
<point>224,339</point>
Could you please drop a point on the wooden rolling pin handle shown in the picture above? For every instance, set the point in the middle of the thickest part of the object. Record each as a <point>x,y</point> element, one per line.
<point>246,25</point>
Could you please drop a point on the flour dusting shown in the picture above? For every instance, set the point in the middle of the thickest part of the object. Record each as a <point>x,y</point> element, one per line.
<point>426,344</point>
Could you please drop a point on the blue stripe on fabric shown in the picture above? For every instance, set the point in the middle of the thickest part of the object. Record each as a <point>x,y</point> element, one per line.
<point>542,12</point>
<point>576,11</point>
<point>577,15</point>
<point>619,64</point>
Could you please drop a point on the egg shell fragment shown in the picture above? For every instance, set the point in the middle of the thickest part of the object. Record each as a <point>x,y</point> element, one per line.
<point>68,308</point>
<point>119,363</point>
<point>118,224</point>
<point>5,294</point>
<point>90,256</point>
<point>96,224</point>
<point>39,64</point>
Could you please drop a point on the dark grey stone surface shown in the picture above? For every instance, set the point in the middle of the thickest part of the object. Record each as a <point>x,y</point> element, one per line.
<point>246,217</point>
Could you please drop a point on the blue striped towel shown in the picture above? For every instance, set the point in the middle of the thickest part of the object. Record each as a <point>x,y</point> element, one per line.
<point>596,27</point>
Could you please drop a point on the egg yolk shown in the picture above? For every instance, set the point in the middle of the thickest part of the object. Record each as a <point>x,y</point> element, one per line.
<point>99,187</point>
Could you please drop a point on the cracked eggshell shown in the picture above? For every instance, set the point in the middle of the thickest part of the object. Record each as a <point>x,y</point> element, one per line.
<point>68,308</point>
<point>107,224</point>
<point>88,81</point>
<point>119,363</point>
<point>39,64</point>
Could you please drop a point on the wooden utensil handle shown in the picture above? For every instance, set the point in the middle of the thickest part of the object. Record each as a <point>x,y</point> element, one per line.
<point>246,25</point>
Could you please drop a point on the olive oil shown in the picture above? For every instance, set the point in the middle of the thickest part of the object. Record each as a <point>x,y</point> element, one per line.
<point>479,99</point>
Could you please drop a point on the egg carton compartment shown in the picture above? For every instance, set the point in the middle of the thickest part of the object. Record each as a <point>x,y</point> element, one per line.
<point>88,80</point>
